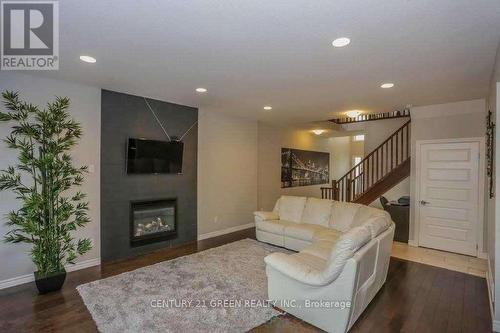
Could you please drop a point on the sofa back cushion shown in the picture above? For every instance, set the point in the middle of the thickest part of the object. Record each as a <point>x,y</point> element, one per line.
<point>317,211</point>
<point>343,215</point>
<point>376,225</point>
<point>291,208</point>
<point>344,249</point>
<point>365,213</point>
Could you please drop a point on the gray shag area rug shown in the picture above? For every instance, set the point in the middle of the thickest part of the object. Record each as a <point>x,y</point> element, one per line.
<point>222,289</point>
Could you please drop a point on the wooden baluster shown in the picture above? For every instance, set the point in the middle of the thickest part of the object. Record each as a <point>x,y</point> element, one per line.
<point>380,163</point>
<point>344,184</point>
<point>392,152</point>
<point>354,184</point>
<point>387,157</point>
<point>402,146</point>
<point>364,177</point>
<point>370,171</point>
<point>342,190</point>
<point>407,140</point>
<point>334,190</point>
<point>344,194</point>
<point>349,187</point>
<point>397,151</point>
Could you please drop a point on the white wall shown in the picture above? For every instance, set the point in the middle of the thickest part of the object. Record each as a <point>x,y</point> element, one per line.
<point>493,205</point>
<point>443,121</point>
<point>86,109</point>
<point>227,172</point>
<point>377,131</point>
<point>341,152</point>
<point>272,139</point>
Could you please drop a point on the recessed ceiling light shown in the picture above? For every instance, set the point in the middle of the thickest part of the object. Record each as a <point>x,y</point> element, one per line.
<point>267,107</point>
<point>201,90</point>
<point>341,42</point>
<point>353,113</point>
<point>318,131</point>
<point>88,59</point>
<point>387,85</point>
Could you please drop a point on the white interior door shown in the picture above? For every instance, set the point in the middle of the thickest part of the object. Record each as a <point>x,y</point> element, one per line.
<point>448,203</point>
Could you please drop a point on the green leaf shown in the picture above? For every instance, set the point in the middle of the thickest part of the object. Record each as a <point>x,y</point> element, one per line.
<point>5,116</point>
<point>84,245</point>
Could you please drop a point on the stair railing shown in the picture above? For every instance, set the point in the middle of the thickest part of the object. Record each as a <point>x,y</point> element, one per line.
<point>373,168</point>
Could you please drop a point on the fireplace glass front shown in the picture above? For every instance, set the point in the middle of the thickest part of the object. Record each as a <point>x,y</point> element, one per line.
<point>152,221</point>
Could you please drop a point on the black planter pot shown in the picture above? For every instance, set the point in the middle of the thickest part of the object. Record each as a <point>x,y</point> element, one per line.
<point>50,283</point>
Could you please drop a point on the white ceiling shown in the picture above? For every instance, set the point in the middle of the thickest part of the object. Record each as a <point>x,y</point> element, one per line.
<point>260,52</point>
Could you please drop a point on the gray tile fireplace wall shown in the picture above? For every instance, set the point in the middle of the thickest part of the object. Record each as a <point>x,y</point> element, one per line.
<point>126,116</point>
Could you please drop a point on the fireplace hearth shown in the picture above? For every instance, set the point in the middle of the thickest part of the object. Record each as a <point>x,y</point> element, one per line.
<point>152,221</point>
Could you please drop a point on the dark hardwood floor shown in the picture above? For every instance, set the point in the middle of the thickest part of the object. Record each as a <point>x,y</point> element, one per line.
<point>416,298</point>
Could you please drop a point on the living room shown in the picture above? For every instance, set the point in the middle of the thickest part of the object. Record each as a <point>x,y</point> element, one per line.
<point>235,160</point>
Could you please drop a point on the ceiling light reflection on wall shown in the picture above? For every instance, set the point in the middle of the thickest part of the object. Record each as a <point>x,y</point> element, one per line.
<point>318,131</point>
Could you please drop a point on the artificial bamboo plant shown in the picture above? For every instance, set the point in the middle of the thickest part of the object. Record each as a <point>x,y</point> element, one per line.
<point>44,180</point>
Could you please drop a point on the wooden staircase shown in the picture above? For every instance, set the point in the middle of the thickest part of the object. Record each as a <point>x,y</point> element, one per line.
<point>378,172</point>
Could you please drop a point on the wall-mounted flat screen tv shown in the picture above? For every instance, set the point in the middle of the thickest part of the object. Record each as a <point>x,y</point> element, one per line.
<point>152,157</point>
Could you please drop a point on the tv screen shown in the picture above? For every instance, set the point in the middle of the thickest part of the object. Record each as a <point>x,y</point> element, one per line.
<point>150,156</point>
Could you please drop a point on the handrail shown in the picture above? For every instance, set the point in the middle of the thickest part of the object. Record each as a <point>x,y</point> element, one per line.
<point>388,155</point>
<point>374,150</point>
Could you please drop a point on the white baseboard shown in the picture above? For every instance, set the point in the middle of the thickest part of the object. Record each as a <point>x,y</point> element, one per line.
<point>496,326</point>
<point>15,281</point>
<point>225,231</point>
<point>83,264</point>
<point>491,295</point>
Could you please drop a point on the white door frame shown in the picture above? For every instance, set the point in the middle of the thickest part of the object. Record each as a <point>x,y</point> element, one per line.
<point>480,226</point>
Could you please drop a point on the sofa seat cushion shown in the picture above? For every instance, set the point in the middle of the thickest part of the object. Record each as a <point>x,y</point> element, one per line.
<point>321,249</point>
<point>311,260</point>
<point>291,208</point>
<point>303,231</point>
<point>329,235</point>
<point>302,267</point>
<point>273,226</point>
<point>317,211</point>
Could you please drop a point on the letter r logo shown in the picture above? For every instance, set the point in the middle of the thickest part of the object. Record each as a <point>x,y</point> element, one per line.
<point>28,28</point>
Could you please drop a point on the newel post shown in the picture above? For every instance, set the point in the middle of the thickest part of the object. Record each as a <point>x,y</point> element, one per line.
<point>335,191</point>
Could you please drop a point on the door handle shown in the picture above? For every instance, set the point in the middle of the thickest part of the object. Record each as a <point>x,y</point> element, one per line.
<point>423,202</point>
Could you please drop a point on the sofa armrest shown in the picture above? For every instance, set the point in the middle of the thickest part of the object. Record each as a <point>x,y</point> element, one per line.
<point>266,216</point>
<point>296,269</point>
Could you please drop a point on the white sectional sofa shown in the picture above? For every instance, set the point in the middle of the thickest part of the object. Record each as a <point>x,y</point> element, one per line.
<point>343,260</point>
